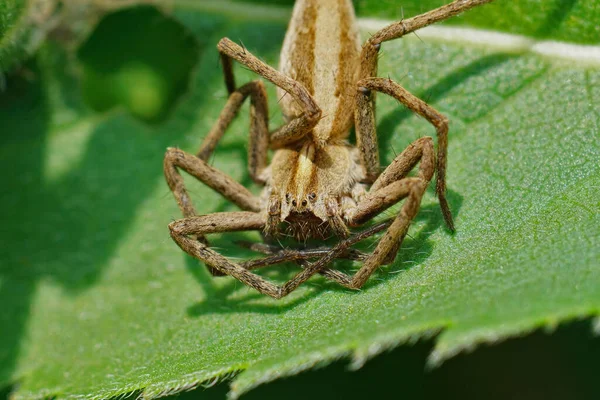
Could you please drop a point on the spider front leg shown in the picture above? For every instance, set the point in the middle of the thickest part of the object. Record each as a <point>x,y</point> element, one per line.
<point>185,231</point>
<point>176,159</point>
<point>391,187</point>
<point>296,128</point>
<point>276,255</point>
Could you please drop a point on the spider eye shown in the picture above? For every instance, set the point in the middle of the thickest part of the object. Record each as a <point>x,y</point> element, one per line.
<point>312,196</point>
<point>294,203</point>
<point>288,197</point>
<point>304,202</point>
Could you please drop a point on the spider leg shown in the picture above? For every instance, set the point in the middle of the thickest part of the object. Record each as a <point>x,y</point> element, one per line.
<point>364,115</point>
<point>391,187</point>
<point>259,130</point>
<point>401,28</point>
<point>197,166</point>
<point>222,183</point>
<point>440,123</point>
<point>367,137</point>
<point>341,250</point>
<point>276,255</point>
<point>185,230</point>
<point>229,188</point>
<point>301,258</point>
<point>296,128</point>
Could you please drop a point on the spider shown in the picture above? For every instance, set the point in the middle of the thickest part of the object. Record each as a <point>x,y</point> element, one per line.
<point>317,184</point>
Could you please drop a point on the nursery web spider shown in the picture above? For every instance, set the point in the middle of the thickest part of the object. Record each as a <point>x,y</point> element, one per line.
<point>317,183</point>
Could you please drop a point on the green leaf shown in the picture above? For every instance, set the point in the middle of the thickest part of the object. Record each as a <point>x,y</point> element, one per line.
<point>16,32</point>
<point>145,71</point>
<point>97,301</point>
<point>568,20</point>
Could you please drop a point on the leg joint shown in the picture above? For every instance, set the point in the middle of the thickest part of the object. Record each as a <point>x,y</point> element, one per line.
<point>177,228</point>
<point>440,122</point>
<point>174,155</point>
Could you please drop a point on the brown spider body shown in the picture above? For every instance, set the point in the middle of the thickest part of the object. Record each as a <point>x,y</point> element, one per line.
<point>317,185</point>
<point>319,175</point>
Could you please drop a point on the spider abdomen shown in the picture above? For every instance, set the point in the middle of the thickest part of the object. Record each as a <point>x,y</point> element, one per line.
<point>321,50</point>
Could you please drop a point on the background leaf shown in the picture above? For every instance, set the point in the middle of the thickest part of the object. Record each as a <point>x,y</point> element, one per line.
<point>98,301</point>
<point>568,20</point>
<point>16,31</point>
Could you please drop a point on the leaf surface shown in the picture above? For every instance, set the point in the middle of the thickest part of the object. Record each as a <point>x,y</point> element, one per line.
<point>99,302</point>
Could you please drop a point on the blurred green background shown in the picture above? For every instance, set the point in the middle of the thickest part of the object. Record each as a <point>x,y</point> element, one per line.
<point>138,59</point>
